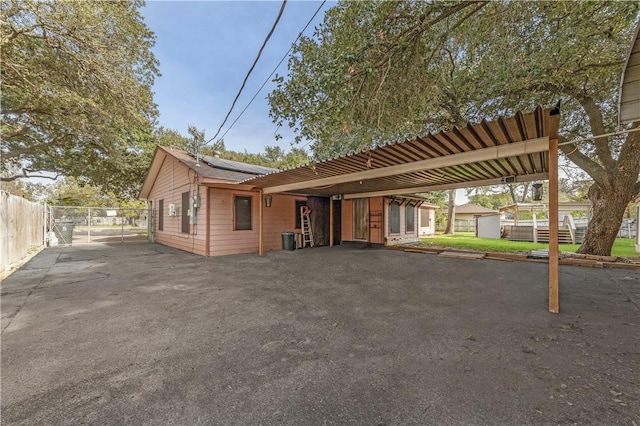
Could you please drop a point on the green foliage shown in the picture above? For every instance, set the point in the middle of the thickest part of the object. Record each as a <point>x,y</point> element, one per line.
<point>76,91</point>
<point>381,71</point>
<point>32,191</point>
<point>73,192</point>
<point>76,192</point>
<point>491,201</point>
<point>273,156</point>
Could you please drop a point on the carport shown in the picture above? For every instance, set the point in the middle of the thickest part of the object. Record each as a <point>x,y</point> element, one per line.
<point>520,148</point>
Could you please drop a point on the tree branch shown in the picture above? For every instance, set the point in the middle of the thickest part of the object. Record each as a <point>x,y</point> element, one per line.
<point>596,123</point>
<point>25,174</point>
<point>18,131</point>
<point>53,142</point>
<point>589,166</point>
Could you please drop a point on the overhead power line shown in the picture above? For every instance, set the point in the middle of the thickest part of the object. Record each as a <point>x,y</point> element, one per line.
<point>244,82</point>
<point>274,70</point>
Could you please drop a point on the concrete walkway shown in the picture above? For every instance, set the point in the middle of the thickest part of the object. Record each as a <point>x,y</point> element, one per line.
<point>145,334</point>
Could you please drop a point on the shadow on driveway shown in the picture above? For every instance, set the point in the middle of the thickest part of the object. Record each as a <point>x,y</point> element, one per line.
<point>145,334</point>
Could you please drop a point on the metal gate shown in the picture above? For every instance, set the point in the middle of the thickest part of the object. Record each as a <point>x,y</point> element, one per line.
<point>68,225</point>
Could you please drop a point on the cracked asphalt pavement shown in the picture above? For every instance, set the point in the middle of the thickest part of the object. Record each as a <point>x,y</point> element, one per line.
<point>145,334</point>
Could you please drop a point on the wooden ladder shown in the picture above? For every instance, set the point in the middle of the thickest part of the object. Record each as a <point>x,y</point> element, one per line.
<point>307,232</point>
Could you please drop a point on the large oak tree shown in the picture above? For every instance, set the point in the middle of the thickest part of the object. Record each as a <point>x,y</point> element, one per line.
<point>76,90</point>
<point>375,72</point>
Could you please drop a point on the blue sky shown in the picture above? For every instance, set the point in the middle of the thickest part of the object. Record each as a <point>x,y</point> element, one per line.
<point>205,49</point>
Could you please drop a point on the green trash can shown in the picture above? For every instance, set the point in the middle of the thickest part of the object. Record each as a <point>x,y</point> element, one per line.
<point>64,232</point>
<point>288,242</point>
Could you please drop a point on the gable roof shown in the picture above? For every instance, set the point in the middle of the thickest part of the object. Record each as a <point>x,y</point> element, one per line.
<point>469,208</point>
<point>209,169</point>
<point>481,154</point>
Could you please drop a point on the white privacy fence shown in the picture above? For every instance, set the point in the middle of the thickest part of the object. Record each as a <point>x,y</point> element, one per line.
<point>22,228</point>
<point>628,227</point>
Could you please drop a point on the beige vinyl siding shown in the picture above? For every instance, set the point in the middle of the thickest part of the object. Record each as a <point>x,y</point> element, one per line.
<point>172,181</point>
<point>278,218</point>
<point>403,236</point>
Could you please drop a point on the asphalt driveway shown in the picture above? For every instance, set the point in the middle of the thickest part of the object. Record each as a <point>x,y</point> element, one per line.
<point>144,334</point>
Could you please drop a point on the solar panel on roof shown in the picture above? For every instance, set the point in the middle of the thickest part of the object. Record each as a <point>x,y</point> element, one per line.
<point>235,166</point>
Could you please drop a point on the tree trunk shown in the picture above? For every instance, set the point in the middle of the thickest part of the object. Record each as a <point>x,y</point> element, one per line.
<point>616,184</point>
<point>525,192</point>
<point>451,214</point>
<point>608,210</point>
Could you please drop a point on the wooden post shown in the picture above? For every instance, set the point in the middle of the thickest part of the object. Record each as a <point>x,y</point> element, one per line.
<point>207,222</point>
<point>260,226</point>
<point>553,227</point>
<point>330,221</point>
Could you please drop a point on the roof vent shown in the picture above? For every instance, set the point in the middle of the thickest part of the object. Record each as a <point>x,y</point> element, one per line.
<point>216,154</point>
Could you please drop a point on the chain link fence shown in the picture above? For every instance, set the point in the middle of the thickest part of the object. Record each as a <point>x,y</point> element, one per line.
<point>82,225</point>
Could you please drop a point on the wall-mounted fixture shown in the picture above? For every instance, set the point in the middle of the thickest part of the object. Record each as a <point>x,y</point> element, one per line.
<point>537,192</point>
<point>268,199</point>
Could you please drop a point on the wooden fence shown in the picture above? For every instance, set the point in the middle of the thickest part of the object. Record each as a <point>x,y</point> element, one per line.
<point>21,228</point>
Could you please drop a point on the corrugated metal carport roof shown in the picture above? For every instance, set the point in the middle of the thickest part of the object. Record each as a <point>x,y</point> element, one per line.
<point>475,155</point>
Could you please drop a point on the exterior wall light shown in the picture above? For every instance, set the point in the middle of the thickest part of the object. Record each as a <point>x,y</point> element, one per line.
<point>537,191</point>
<point>268,199</point>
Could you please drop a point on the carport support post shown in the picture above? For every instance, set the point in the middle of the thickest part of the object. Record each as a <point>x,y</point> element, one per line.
<point>553,226</point>
<point>260,227</point>
<point>330,221</point>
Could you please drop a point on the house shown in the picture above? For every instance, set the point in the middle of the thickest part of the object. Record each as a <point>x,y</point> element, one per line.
<point>212,206</point>
<point>521,148</point>
<point>201,205</point>
<point>387,220</point>
<point>468,215</point>
<point>471,211</point>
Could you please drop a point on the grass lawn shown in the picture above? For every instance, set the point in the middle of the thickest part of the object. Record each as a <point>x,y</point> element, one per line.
<point>623,247</point>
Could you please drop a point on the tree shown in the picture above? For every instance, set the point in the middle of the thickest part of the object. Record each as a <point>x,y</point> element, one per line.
<point>377,72</point>
<point>489,199</point>
<point>32,191</point>
<point>76,91</point>
<point>451,213</point>
<point>72,192</point>
<point>273,156</point>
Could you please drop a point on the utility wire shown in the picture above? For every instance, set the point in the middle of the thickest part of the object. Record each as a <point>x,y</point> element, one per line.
<point>590,138</point>
<point>274,70</point>
<point>266,40</point>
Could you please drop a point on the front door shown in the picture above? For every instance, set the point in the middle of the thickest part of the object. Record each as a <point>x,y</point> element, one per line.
<point>376,220</point>
<point>425,221</point>
<point>361,219</point>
